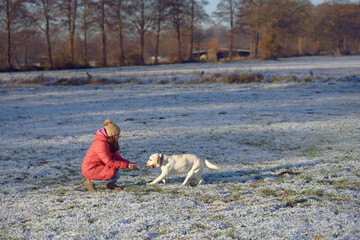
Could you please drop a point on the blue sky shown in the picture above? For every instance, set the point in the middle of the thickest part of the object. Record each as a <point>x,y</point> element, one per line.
<point>213,3</point>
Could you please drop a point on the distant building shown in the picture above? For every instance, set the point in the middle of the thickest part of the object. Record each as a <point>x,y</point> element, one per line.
<point>221,53</point>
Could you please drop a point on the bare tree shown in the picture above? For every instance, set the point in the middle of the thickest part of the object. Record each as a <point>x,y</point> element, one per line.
<point>84,28</point>
<point>69,9</point>
<point>11,12</point>
<point>42,14</point>
<point>197,12</point>
<point>99,7</point>
<point>178,13</point>
<point>102,34</point>
<point>119,10</point>
<point>162,7</point>
<point>142,17</point>
<point>225,11</point>
<point>29,49</point>
<point>248,20</point>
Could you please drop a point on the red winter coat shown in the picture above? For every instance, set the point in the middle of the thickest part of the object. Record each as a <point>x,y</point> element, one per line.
<point>99,163</point>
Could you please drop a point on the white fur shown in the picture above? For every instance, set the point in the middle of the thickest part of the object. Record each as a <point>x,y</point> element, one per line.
<point>176,164</point>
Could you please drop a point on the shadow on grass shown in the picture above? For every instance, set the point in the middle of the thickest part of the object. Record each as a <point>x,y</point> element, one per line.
<point>249,175</point>
<point>238,176</point>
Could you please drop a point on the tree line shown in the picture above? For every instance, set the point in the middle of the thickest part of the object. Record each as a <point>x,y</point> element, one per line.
<point>49,34</point>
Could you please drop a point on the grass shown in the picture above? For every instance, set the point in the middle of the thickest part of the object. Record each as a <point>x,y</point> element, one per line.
<point>346,184</point>
<point>92,220</point>
<point>232,78</point>
<point>311,151</point>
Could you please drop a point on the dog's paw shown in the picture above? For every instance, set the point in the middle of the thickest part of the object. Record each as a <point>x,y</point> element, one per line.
<point>148,184</point>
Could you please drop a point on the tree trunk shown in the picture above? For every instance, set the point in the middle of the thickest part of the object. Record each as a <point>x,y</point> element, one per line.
<point>47,34</point>
<point>102,35</point>
<point>72,13</point>
<point>254,44</point>
<point>85,27</point>
<point>142,33</point>
<point>300,46</point>
<point>178,35</point>
<point>158,32</point>
<point>8,36</point>
<point>231,30</point>
<point>192,30</point>
<point>49,49</point>
<point>8,48</point>
<point>120,34</point>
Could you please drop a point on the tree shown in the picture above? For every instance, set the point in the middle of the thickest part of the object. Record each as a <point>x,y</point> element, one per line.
<point>42,14</point>
<point>339,25</point>
<point>119,8</point>
<point>178,13</point>
<point>29,49</point>
<point>102,34</point>
<point>11,12</point>
<point>225,12</point>
<point>213,47</point>
<point>196,11</point>
<point>274,25</point>
<point>162,7</point>
<point>84,28</point>
<point>100,10</point>
<point>142,17</point>
<point>68,9</point>
<point>249,20</point>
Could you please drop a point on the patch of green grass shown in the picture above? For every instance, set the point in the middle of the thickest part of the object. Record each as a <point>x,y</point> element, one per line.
<point>346,184</point>
<point>60,191</point>
<point>292,203</point>
<point>219,217</point>
<point>268,192</point>
<point>163,231</point>
<point>311,151</point>
<point>321,182</point>
<point>306,177</point>
<point>278,180</point>
<point>232,234</point>
<point>91,220</point>
<point>313,193</point>
<point>177,191</point>
<point>198,226</point>
<point>265,143</point>
<point>159,190</point>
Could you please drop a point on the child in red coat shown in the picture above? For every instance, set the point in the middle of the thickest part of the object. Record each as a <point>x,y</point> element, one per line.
<point>102,161</point>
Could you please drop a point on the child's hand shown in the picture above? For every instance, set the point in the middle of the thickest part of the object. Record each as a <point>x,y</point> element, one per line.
<point>133,167</point>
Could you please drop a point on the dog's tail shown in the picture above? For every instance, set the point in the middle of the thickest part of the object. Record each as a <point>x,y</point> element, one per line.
<point>210,165</point>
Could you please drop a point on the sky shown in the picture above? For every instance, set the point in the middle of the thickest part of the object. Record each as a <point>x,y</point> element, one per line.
<point>213,3</point>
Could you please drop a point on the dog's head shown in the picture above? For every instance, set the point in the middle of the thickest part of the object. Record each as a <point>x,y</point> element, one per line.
<point>155,160</point>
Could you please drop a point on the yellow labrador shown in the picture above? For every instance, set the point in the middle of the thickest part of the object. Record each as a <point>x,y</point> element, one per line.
<point>175,164</point>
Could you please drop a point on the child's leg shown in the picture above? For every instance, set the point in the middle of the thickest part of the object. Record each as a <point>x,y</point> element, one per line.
<point>114,179</point>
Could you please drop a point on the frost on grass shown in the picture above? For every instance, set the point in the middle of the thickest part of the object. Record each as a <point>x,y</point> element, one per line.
<point>288,153</point>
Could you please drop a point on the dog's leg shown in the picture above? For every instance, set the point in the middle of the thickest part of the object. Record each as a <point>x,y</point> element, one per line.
<point>198,177</point>
<point>158,179</point>
<point>190,174</point>
<point>164,180</point>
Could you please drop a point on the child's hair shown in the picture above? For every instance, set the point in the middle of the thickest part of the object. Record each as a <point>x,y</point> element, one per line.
<point>114,144</point>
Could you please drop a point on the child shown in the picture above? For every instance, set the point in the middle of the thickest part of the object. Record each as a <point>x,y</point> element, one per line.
<point>102,161</point>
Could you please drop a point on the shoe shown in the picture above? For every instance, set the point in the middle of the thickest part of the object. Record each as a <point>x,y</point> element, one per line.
<point>89,185</point>
<point>112,185</point>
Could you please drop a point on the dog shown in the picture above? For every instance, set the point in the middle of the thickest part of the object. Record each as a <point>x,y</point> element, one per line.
<point>174,164</point>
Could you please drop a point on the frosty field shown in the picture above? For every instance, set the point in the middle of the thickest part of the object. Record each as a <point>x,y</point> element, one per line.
<point>289,153</point>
